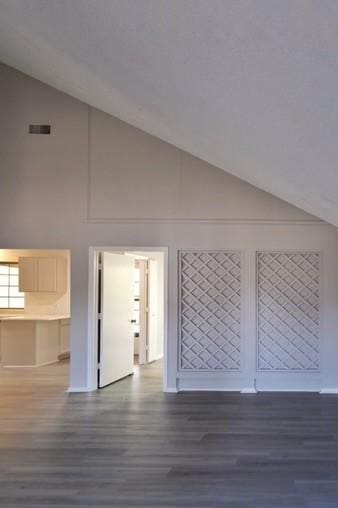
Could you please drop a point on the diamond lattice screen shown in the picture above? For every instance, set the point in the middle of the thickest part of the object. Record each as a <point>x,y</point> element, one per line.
<point>288,311</point>
<point>210,317</point>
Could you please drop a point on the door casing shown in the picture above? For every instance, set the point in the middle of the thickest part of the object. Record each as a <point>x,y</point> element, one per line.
<point>92,338</point>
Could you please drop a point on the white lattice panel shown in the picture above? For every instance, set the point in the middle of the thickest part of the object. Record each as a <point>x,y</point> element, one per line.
<point>288,311</point>
<point>210,313</point>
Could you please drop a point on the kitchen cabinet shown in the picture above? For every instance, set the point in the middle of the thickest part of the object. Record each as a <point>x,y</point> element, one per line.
<point>28,274</point>
<point>42,274</point>
<point>47,274</point>
<point>33,340</point>
<point>64,338</point>
<point>29,343</point>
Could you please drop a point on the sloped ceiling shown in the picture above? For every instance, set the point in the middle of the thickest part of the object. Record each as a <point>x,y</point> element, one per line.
<point>250,86</point>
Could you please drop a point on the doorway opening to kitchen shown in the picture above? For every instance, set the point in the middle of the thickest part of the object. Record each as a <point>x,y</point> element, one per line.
<point>34,319</point>
<point>127,322</point>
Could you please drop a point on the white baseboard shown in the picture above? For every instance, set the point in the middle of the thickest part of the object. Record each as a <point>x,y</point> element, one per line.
<point>156,359</point>
<point>80,389</point>
<point>29,366</point>
<point>285,390</point>
<point>208,384</point>
<point>328,390</point>
<point>171,390</point>
<point>201,389</point>
<point>249,389</point>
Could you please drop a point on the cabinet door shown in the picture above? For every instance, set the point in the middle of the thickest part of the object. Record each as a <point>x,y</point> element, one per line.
<point>28,274</point>
<point>47,274</point>
<point>64,336</point>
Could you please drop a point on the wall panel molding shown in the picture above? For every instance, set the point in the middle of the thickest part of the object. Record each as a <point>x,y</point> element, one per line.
<point>122,158</point>
<point>288,311</point>
<point>210,311</point>
<point>254,222</point>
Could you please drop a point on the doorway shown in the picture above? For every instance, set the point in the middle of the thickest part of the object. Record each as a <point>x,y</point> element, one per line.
<point>147,319</point>
<point>35,319</point>
<point>128,311</point>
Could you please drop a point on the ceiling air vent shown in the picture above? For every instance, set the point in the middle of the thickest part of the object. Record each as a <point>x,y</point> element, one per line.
<point>39,129</point>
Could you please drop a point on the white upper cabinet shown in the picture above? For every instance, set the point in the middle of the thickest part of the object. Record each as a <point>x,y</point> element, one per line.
<point>47,274</point>
<point>42,274</point>
<point>28,274</point>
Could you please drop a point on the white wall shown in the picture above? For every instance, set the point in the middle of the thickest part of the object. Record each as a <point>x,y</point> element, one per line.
<point>98,181</point>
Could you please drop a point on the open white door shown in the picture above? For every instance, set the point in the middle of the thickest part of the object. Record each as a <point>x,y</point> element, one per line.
<point>153,316</point>
<point>116,336</point>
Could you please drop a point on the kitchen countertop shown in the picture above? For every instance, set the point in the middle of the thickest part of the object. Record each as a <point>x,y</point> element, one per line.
<point>32,317</point>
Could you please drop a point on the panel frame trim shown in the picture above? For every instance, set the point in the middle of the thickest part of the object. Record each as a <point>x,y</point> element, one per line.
<point>263,373</point>
<point>212,372</point>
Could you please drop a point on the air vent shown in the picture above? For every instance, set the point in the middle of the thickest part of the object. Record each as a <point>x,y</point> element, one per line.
<point>39,129</point>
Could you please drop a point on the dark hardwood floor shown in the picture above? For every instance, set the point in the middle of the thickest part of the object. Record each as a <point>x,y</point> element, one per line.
<point>130,445</point>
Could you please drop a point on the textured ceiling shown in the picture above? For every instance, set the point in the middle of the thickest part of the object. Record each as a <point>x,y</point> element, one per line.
<point>250,86</point>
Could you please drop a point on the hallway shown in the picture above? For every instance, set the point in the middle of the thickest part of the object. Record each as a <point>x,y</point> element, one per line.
<point>131,445</point>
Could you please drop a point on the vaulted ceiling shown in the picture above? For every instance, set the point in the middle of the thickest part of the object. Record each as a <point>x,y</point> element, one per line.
<point>248,85</point>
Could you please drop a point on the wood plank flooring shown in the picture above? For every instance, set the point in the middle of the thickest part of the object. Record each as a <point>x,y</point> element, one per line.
<point>130,445</point>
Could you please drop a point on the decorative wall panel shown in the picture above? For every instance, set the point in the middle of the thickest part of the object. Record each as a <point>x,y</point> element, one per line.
<point>210,310</point>
<point>288,311</point>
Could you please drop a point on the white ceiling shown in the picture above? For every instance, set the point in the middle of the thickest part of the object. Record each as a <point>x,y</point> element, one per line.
<point>248,85</point>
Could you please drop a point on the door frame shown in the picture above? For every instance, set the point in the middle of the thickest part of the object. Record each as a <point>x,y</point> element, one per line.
<point>143,317</point>
<point>92,339</point>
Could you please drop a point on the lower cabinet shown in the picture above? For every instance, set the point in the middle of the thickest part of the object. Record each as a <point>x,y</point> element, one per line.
<point>29,343</point>
<point>64,338</point>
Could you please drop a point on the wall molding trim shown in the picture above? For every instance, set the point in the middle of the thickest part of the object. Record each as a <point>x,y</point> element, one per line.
<point>28,366</point>
<point>245,222</point>
<point>213,389</point>
<point>285,390</point>
<point>249,389</point>
<point>180,220</point>
<point>197,349</point>
<point>327,391</point>
<point>277,272</point>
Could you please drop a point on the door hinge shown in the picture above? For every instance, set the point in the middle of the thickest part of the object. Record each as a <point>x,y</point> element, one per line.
<point>99,365</point>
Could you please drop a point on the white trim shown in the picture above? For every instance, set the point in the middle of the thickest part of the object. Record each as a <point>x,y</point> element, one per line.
<point>92,299</point>
<point>196,384</point>
<point>246,222</point>
<point>91,334</point>
<point>249,389</point>
<point>156,359</point>
<point>79,389</point>
<point>300,390</point>
<point>171,390</point>
<point>213,389</point>
<point>324,391</point>
<point>181,371</point>
<point>321,320</point>
<point>29,366</point>
<point>209,159</point>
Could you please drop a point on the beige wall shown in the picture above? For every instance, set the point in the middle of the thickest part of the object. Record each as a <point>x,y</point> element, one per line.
<point>98,181</point>
<point>135,176</point>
